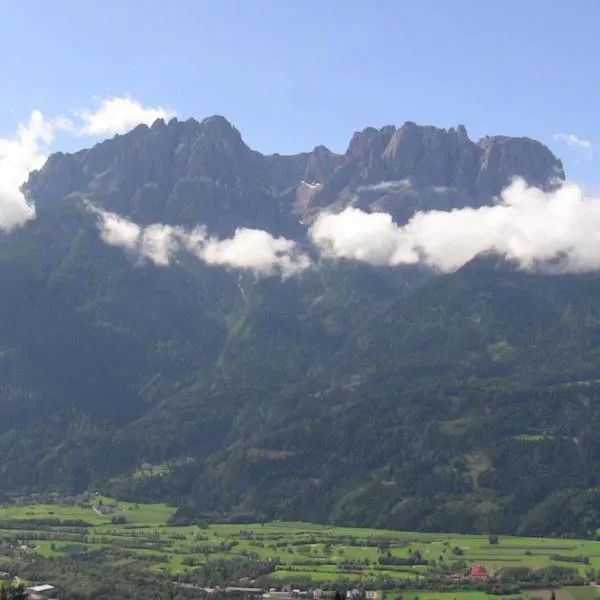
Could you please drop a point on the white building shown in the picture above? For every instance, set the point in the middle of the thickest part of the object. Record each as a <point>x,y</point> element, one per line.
<point>36,590</point>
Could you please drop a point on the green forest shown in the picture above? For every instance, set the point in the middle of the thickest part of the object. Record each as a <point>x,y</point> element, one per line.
<point>351,395</point>
<point>391,397</point>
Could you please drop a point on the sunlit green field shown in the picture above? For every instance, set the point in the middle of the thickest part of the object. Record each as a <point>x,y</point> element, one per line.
<point>328,553</point>
<point>445,595</point>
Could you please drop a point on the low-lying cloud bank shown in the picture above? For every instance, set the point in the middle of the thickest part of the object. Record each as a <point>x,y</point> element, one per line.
<point>556,232</point>
<point>30,146</point>
<point>249,249</point>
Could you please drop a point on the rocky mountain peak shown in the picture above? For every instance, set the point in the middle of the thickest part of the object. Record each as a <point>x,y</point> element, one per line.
<point>218,127</point>
<point>414,167</point>
<point>366,145</point>
<point>189,171</point>
<point>502,158</point>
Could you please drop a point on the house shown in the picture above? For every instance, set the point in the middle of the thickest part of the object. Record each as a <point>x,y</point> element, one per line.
<point>38,590</point>
<point>478,573</point>
<point>246,591</point>
<point>4,575</point>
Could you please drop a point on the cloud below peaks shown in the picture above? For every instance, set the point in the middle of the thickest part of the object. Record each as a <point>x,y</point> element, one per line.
<point>248,249</point>
<point>157,243</point>
<point>555,232</point>
<point>256,250</point>
<point>366,237</point>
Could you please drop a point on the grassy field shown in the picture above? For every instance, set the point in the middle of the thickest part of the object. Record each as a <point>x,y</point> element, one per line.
<point>444,596</point>
<point>306,551</point>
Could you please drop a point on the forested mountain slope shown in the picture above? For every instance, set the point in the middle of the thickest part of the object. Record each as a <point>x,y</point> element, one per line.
<point>385,396</point>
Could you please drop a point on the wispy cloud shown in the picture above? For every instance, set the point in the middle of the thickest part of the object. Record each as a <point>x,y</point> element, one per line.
<point>550,232</point>
<point>575,142</point>
<point>157,243</point>
<point>258,251</point>
<point>252,250</point>
<point>387,186</point>
<point>28,149</point>
<point>19,155</point>
<point>119,115</point>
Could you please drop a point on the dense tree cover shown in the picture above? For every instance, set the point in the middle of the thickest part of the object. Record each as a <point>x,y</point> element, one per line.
<point>94,575</point>
<point>116,573</point>
<point>13,592</point>
<point>351,395</point>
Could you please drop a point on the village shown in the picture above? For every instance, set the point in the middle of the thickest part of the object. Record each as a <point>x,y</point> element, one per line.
<point>476,573</point>
<point>285,593</point>
<point>271,560</point>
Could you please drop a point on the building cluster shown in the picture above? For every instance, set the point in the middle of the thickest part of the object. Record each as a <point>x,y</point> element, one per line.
<point>287,593</point>
<point>84,500</point>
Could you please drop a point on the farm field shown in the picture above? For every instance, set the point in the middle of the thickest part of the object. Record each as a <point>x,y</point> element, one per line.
<point>566,593</point>
<point>128,533</point>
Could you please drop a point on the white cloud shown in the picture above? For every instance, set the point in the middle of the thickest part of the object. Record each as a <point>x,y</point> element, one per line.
<point>554,232</point>
<point>256,250</point>
<point>27,150</point>
<point>119,115</point>
<point>18,157</point>
<point>249,249</point>
<point>157,242</point>
<point>367,237</point>
<point>387,186</point>
<point>575,142</point>
<point>117,231</point>
<point>160,242</point>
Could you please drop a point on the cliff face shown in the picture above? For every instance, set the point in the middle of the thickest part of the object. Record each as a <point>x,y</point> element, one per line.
<point>186,172</point>
<point>423,168</point>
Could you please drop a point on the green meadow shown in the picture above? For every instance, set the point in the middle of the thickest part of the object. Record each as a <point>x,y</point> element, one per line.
<point>305,552</point>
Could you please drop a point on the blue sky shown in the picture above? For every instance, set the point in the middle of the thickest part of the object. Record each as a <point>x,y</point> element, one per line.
<point>291,74</point>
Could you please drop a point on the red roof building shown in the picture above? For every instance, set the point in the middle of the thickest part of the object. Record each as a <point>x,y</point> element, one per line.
<point>478,572</point>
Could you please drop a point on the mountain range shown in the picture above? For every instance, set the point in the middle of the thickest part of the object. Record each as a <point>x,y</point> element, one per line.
<point>188,172</point>
<point>350,387</point>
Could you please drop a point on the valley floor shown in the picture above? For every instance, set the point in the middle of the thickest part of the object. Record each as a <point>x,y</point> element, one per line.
<point>122,536</point>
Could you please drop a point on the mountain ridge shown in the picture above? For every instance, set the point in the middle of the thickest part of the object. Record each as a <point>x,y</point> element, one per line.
<point>355,394</point>
<point>172,168</point>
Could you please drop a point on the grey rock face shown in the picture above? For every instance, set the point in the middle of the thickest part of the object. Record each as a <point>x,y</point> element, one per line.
<point>415,168</point>
<point>186,172</point>
<point>502,158</point>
